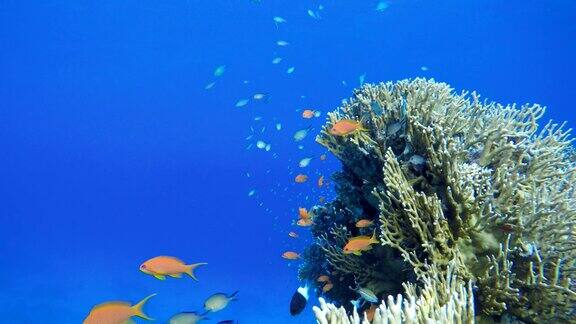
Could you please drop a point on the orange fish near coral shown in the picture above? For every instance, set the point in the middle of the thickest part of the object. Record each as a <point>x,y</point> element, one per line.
<point>303,213</point>
<point>358,244</point>
<point>321,199</point>
<point>304,222</point>
<point>370,312</point>
<point>320,181</point>
<point>323,157</point>
<point>364,223</point>
<point>308,113</point>
<point>327,287</point>
<point>162,266</point>
<point>301,178</point>
<point>323,278</point>
<point>346,127</point>
<point>116,312</point>
<point>293,234</point>
<point>289,255</point>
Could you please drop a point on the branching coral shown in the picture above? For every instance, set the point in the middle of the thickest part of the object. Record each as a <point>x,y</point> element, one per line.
<point>462,188</point>
<point>442,300</point>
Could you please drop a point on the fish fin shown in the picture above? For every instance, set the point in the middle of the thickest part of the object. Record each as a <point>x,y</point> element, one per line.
<point>138,308</point>
<point>176,275</point>
<point>190,269</point>
<point>159,276</point>
<point>129,321</point>
<point>357,252</point>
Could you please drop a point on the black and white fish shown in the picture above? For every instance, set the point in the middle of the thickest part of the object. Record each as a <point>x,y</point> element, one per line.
<point>299,300</point>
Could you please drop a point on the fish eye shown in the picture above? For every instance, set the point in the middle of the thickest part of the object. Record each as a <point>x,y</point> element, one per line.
<point>143,266</point>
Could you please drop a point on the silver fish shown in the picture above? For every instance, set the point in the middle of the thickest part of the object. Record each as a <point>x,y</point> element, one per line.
<point>218,301</point>
<point>301,134</point>
<point>187,318</point>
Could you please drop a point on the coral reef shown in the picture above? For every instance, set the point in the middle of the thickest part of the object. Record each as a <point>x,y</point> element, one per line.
<point>473,203</point>
<point>443,300</point>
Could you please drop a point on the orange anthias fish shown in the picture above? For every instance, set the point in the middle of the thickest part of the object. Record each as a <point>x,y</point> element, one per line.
<point>304,222</point>
<point>364,223</point>
<point>301,178</point>
<point>303,213</point>
<point>162,266</point>
<point>323,278</point>
<point>321,199</point>
<point>346,127</point>
<point>360,243</point>
<point>323,157</point>
<point>370,312</point>
<point>308,113</point>
<point>327,287</point>
<point>290,255</point>
<point>320,181</point>
<point>293,234</point>
<point>116,312</point>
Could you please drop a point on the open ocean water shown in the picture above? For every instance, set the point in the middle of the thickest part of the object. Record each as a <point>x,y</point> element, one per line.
<point>113,150</point>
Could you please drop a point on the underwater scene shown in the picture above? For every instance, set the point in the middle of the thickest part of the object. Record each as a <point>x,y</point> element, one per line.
<point>275,161</point>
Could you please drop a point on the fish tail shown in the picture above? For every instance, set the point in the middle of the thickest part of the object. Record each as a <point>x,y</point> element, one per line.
<point>138,308</point>
<point>190,269</point>
<point>361,124</point>
<point>203,315</point>
<point>233,295</point>
<point>373,238</point>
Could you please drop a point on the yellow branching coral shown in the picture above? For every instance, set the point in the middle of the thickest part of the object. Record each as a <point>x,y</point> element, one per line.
<point>462,189</point>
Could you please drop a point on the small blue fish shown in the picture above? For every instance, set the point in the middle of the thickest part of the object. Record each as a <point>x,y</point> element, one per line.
<point>219,70</point>
<point>382,5</point>
<point>404,108</point>
<point>376,108</point>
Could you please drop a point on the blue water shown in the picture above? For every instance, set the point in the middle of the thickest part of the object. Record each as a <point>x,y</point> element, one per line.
<point>112,151</point>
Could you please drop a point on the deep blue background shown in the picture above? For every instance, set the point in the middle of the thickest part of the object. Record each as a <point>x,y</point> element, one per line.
<point>112,152</point>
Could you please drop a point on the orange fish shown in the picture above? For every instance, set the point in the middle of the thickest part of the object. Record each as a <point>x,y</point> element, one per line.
<point>289,255</point>
<point>358,244</point>
<point>116,312</point>
<point>327,287</point>
<point>308,113</point>
<point>364,223</point>
<point>346,127</point>
<point>323,157</point>
<point>301,178</point>
<point>321,199</point>
<point>370,312</point>
<point>304,222</point>
<point>320,181</point>
<point>507,228</point>
<point>293,234</point>
<point>323,278</point>
<point>303,213</point>
<point>162,266</point>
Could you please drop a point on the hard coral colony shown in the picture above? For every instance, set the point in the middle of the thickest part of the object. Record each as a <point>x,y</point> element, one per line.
<point>474,208</point>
